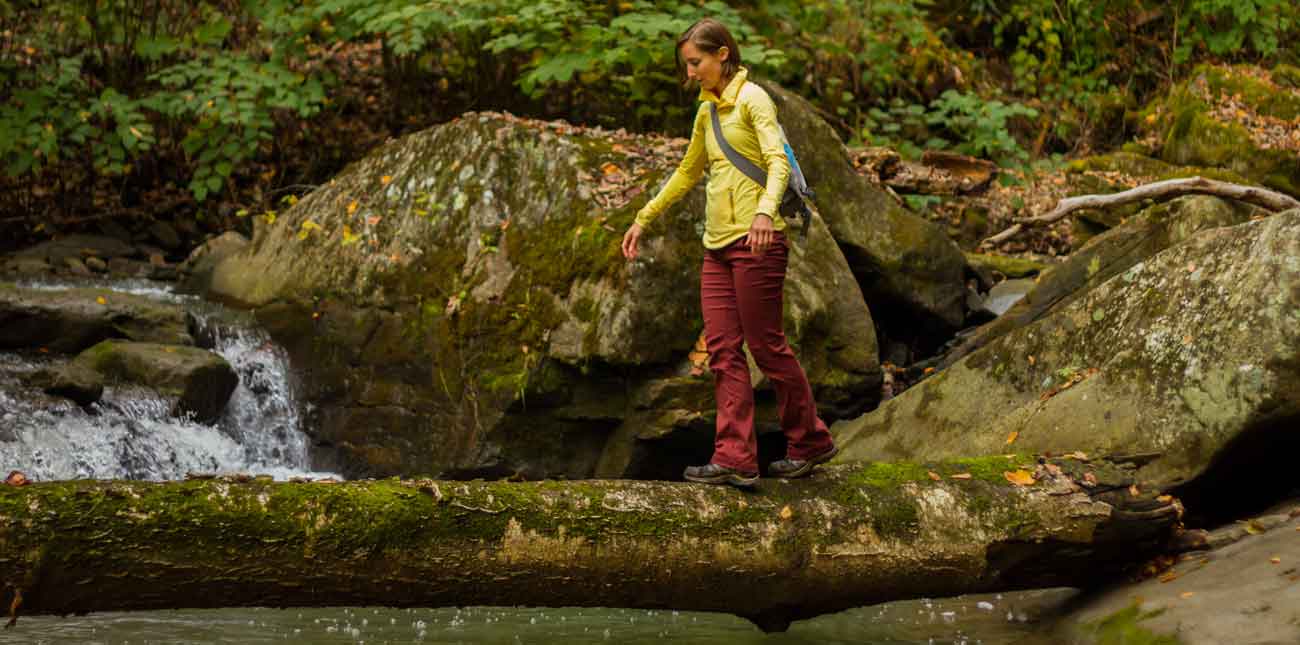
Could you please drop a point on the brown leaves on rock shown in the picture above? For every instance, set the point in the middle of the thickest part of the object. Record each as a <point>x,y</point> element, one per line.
<point>17,478</point>
<point>1072,378</point>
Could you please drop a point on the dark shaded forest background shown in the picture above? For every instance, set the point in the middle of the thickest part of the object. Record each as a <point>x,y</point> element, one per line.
<point>120,112</point>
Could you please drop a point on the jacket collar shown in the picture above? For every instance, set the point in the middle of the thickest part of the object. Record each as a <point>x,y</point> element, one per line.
<point>729,93</point>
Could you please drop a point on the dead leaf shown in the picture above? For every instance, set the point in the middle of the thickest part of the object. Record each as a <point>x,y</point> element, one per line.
<point>1134,491</point>
<point>928,371</point>
<point>609,168</point>
<point>1187,594</point>
<point>1075,455</point>
<point>1011,438</point>
<point>1089,479</point>
<point>1031,359</point>
<point>1169,576</point>
<point>17,478</point>
<point>1275,560</point>
<point>787,512</point>
<point>373,219</point>
<point>352,208</point>
<point>453,304</point>
<point>1019,477</point>
<point>385,179</point>
<point>101,300</point>
<point>1165,499</point>
<point>959,476</point>
<point>933,475</point>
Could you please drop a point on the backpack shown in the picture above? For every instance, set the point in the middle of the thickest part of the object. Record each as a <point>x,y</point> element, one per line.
<point>794,203</point>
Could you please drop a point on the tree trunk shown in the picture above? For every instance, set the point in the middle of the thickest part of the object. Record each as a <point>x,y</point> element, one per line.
<point>849,536</point>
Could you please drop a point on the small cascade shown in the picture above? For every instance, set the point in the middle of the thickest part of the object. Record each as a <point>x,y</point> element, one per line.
<point>131,434</point>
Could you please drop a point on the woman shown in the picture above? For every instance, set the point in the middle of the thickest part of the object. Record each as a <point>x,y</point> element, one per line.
<point>744,263</point>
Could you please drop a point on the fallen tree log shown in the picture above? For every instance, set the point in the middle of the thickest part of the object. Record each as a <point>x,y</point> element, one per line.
<point>1160,190</point>
<point>850,536</point>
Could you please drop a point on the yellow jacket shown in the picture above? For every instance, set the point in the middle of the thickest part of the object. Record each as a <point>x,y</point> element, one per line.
<point>748,119</point>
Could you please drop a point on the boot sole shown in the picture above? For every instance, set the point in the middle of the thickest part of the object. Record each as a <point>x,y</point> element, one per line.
<point>730,478</point>
<point>808,467</point>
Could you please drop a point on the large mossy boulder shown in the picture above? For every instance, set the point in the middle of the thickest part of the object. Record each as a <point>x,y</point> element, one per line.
<point>457,303</point>
<point>911,273</point>
<point>1181,358</point>
<point>198,381</point>
<point>70,320</point>
<point>1237,118</point>
<point>1104,257</point>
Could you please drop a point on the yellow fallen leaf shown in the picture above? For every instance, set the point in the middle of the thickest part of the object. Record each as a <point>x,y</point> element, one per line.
<point>352,208</point>
<point>348,237</point>
<point>787,512</point>
<point>959,476</point>
<point>1011,438</point>
<point>1169,576</point>
<point>1187,594</point>
<point>1019,477</point>
<point>1134,490</point>
<point>610,168</point>
<point>1165,499</point>
<point>933,475</point>
<point>385,179</point>
<point>1275,560</point>
<point>1031,359</point>
<point>101,300</point>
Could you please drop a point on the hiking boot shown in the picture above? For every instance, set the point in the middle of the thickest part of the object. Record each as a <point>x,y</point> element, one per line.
<point>715,474</point>
<point>793,468</point>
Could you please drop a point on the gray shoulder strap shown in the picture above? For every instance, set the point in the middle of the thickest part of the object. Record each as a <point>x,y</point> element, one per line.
<point>738,160</point>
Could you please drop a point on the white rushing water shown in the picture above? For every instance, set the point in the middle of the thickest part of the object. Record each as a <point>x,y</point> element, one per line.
<point>131,434</point>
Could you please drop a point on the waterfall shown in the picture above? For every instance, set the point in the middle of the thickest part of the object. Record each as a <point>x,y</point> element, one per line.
<point>131,434</point>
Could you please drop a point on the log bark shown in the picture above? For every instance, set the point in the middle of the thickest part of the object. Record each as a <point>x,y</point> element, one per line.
<point>938,173</point>
<point>849,536</point>
<point>1160,190</point>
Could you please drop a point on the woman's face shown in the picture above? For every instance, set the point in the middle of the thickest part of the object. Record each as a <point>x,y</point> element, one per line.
<point>704,67</point>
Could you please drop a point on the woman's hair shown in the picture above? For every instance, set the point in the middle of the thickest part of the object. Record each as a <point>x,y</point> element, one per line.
<point>709,35</point>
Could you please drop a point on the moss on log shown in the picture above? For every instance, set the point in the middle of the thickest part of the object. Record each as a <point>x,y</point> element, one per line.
<point>850,536</point>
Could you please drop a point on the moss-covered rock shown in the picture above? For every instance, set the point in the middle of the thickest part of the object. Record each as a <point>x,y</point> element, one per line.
<point>1182,355</point>
<point>453,297</point>
<point>1104,257</point>
<point>1236,118</point>
<point>70,320</point>
<point>199,381</point>
<point>910,271</point>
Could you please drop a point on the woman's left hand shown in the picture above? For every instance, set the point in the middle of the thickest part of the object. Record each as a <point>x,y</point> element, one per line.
<point>761,234</point>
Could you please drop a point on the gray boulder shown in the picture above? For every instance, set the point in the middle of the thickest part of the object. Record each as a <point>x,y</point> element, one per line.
<point>199,381</point>
<point>458,303</point>
<point>908,268</point>
<point>71,320</point>
<point>1104,257</point>
<point>1179,359</point>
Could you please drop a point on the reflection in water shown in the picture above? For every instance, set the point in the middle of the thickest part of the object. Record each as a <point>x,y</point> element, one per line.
<point>990,620</point>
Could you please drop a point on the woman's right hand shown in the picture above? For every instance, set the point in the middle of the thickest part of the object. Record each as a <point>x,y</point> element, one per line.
<point>630,241</point>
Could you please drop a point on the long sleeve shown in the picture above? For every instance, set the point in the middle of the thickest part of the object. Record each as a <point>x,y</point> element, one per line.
<point>686,175</point>
<point>762,114</point>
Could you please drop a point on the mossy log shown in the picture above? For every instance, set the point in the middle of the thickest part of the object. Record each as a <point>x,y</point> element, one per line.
<point>851,535</point>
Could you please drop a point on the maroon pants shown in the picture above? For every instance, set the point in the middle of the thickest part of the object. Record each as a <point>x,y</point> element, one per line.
<point>741,295</point>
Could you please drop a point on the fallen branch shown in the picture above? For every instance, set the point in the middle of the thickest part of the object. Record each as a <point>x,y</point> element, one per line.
<point>850,536</point>
<point>1160,190</point>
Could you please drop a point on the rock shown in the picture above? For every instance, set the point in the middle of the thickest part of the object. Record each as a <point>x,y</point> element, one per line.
<point>1235,594</point>
<point>908,269</point>
<point>200,381</point>
<point>1104,257</point>
<point>1182,357</point>
<point>78,382</point>
<point>1007,267</point>
<point>1005,294</point>
<point>77,246</point>
<point>197,268</point>
<point>97,265</point>
<point>26,266</point>
<point>128,268</point>
<point>71,320</point>
<point>75,266</point>
<point>165,234</point>
<point>476,312</point>
<point>1237,118</point>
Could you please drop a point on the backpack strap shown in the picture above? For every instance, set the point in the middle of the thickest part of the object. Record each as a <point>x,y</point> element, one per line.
<point>741,162</point>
